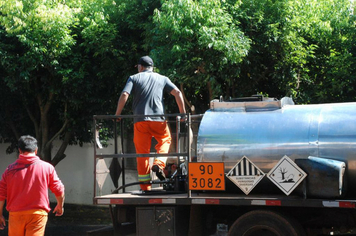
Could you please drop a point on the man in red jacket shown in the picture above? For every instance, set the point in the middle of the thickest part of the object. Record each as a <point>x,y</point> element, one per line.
<point>24,185</point>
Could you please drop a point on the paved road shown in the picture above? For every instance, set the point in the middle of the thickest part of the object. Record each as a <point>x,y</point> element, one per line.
<point>80,230</point>
<point>78,220</point>
<point>75,230</point>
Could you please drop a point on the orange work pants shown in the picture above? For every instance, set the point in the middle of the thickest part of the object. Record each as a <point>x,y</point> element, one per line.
<point>143,133</point>
<point>27,223</point>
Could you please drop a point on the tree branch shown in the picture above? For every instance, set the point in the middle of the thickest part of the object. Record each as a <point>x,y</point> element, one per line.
<point>58,133</point>
<point>12,125</point>
<point>191,107</point>
<point>60,154</point>
<point>34,121</point>
<point>64,126</point>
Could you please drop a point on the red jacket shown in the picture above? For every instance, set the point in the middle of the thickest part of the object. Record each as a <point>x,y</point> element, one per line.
<point>25,184</point>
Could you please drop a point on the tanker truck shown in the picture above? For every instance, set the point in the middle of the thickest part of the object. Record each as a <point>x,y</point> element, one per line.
<point>249,166</point>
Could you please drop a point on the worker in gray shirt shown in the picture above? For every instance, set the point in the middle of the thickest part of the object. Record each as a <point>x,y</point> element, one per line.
<point>147,88</point>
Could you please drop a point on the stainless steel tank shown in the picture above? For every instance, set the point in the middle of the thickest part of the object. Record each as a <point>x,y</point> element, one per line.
<point>266,131</point>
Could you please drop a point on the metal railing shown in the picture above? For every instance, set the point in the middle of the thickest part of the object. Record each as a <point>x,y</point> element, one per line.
<point>181,122</point>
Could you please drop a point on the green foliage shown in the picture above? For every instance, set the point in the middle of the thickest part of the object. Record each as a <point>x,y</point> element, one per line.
<point>195,41</point>
<point>329,26</point>
<point>43,28</point>
<point>61,62</point>
<point>295,47</point>
<point>200,26</point>
<point>48,73</point>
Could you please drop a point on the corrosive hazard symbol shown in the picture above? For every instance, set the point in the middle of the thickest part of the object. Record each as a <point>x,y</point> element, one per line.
<point>286,175</point>
<point>245,175</point>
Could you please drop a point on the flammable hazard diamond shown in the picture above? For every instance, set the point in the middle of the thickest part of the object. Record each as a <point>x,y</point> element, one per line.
<point>245,175</point>
<point>286,175</point>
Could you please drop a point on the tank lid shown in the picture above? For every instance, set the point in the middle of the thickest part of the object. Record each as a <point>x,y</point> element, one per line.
<point>249,105</point>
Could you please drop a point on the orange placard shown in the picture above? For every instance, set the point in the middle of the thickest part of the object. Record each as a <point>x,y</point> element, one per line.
<point>206,176</point>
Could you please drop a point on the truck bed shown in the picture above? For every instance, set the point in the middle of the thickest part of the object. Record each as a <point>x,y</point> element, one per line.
<point>216,198</point>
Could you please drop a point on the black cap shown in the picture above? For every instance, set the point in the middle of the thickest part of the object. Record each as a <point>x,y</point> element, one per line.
<point>145,61</point>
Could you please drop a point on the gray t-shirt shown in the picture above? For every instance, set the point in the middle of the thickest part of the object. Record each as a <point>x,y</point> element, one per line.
<point>147,89</point>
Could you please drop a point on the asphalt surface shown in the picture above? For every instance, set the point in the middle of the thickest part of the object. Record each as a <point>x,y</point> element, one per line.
<point>79,230</point>
<point>77,220</point>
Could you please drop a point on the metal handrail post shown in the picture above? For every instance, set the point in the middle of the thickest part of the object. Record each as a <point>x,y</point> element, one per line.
<point>122,151</point>
<point>189,151</point>
<point>94,160</point>
<point>177,137</point>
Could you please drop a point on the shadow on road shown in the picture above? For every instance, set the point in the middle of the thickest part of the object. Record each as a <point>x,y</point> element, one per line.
<point>77,220</point>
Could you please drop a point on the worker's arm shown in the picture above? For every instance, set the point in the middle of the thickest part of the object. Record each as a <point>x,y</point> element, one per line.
<point>179,99</point>
<point>121,103</point>
<point>2,219</point>
<point>59,209</point>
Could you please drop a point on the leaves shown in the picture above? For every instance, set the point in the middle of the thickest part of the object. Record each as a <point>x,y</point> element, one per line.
<point>198,27</point>
<point>45,29</point>
<point>61,62</point>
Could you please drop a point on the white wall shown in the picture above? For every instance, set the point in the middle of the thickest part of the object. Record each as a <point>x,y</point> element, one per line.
<point>76,172</point>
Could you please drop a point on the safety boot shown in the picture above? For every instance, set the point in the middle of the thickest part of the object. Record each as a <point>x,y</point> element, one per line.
<point>159,173</point>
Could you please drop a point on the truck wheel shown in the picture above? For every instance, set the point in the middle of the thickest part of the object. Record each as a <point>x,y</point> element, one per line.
<point>266,223</point>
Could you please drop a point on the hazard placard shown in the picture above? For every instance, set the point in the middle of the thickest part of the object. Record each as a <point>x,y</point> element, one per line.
<point>245,175</point>
<point>206,176</point>
<point>286,175</point>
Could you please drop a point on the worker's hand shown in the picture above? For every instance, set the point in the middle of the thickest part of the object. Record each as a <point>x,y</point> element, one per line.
<point>2,222</point>
<point>117,119</point>
<point>184,118</point>
<point>59,210</point>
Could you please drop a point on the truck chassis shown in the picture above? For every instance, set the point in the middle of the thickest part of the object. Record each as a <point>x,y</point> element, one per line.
<point>204,212</point>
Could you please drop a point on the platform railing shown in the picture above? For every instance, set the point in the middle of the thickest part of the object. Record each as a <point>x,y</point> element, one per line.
<point>181,120</point>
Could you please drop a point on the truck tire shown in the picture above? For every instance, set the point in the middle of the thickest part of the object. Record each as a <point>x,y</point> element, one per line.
<point>266,223</point>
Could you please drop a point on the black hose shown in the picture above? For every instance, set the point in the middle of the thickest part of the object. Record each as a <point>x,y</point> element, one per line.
<point>137,183</point>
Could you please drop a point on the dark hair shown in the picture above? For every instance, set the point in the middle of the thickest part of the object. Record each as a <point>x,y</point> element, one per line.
<point>27,143</point>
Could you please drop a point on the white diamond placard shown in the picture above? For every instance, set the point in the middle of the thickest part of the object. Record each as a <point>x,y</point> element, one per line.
<point>245,175</point>
<point>102,172</point>
<point>286,175</point>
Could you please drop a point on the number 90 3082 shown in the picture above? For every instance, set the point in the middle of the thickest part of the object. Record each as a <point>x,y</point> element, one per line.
<point>206,176</point>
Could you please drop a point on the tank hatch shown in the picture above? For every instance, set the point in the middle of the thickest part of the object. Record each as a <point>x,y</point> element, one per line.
<point>250,104</point>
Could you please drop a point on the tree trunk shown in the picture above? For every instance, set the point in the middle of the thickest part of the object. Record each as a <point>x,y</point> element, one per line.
<point>60,153</point>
